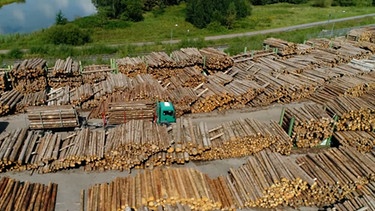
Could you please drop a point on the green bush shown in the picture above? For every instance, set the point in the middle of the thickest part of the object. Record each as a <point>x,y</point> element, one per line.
<point>15,53</point>
<point>69,34</point>
<point>216,26</point>
<point>322,3</point>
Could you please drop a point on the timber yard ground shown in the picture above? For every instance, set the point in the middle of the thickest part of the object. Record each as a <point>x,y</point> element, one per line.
<point>71,182</point>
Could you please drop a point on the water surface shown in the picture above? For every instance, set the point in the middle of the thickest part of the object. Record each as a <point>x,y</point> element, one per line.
<point>34,15</point>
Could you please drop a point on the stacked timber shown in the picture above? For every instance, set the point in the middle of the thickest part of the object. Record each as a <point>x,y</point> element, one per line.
<point>363,34</point>
<point>360,140</point>
<point>241,138</point>
<point>243,91</point>
<point>121,112</point>
<point>176,186</point>
<point>182,98</point>
<point>65,68</point>
<point>216,60</point>
<point>186,57</point>
<point>8,101</point>
<point>29,75</point>
<point>362,199</point>
<point>158,60</point>
<point>4,82</point>
<point>84,147</point>
<point>132,143</point>
<point>10,146</point>
<point>309,125</point>
<point>338,172</point>
<point>211,96</point>
<point>59,96</point>
<point>95,73</point>
<point>345,86</point>
<point>283,143</point>
<point>48,117</point>
<point>267,180</point>
<point>65,73</point>
<point>17,195</point>
<point>58,82</point>
<point>189,137</point>
<point>186,77</point>
<point>32,99</point>
<point>284,48</point>
<point>355,113</point>
<point>131,66</point>
<point>220,78</point>
<point>81,94</point>
<point>120,88</point>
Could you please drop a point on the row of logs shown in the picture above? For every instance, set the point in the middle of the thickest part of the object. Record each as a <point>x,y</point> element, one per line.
<point>138,143</point>
<point>208,58</point>
<point>355,113</point>
<point>8,101</point>
<point>17,195</point>
<point>49,117</point>
<point>360,140</point>
<point>266,180</point>
<point>309,125</point>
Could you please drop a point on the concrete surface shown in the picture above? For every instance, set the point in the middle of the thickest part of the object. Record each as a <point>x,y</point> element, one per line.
<point>71,182</point>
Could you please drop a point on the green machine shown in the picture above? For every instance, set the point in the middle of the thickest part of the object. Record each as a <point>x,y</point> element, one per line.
<point>165,113</point>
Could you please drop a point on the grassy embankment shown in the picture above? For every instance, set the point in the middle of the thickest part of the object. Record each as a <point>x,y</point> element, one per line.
<point>116,37</point>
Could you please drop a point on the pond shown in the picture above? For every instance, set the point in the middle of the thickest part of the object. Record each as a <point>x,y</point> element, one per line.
<point>33,15</point>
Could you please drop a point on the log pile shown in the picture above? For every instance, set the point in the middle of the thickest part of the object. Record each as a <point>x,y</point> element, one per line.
<point>241,138</point>
<point>283,47</point>
<point>48,117</point>
<point>121,112</point>
<point>130,144</point>
<point>310,125</point>
<point>355,86</point>
<point>360,140</point>
<point>81,94</point>
<point>59,96</point>
<point>58,82</point>
<point>17,195</point>
<point>190,138</point>
<point>362,199</point>
<point>337,172</point>
<point>243,91</point>
<point>355,113</point>
<point>267,180</point>
<point>159,187</point>
<point>211,96</point>
<point>131,66</point>
<point>120,88</point>
<point>159,60</point>
<point>215,60</point>
<point>84,147</point>
<point>66,68</point>
<point>186,57</point>
<point>4,83</point>
<point>95,73</point>
<point>29,75</point>
<point>32,99</point>
<point>8,101</point>
<point>186,77</point>
<point>182,98</point>
<point>363,34</point>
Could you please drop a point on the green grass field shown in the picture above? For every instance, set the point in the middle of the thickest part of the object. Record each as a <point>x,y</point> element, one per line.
<point>172,25</point>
